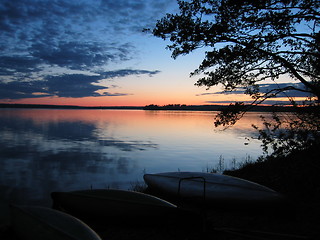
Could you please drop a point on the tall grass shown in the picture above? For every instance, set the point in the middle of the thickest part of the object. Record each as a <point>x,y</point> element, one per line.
<point>234,164</point>
<point>138,186</point>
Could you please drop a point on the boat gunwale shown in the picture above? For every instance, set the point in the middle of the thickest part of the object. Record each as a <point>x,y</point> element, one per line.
<point>259,188</point>
<point>160,202</point>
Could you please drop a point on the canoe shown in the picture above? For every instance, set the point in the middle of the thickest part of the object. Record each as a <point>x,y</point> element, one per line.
<point>210,187</point>
<point>45,223</point>
<point>111,203</point>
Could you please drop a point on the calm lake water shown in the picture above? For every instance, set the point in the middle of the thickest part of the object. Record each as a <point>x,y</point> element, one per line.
<point>45,150</point>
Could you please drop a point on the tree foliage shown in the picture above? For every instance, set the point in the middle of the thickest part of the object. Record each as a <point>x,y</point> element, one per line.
<point>287,132</point>
<point>250,42</point>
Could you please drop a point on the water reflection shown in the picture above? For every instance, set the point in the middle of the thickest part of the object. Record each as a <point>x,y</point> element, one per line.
<point>44,150</point>
<point>60,150</point>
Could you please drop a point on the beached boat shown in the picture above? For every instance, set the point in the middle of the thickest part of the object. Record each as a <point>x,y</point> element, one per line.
<point>210,187</point>
<point>111,203</point>
<point>39,223</point>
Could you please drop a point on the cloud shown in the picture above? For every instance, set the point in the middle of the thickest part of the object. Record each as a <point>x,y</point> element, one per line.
<point>18,90</point>
<point>205,94</point>
<point>10,65</point>
<point>74,85</point>
<point>37,36</point>
<point>264,88</point>
<point>289,93</point>
<point>127,72</point>
<point>80,55</point>
<point>270,101</point>
<point>67,85</point>
<point>135,15</point>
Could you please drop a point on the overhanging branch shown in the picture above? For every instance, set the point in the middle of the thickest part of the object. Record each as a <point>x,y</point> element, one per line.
<point>283,61</point>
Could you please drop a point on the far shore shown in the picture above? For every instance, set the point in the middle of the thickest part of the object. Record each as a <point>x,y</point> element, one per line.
<point>175,107</point>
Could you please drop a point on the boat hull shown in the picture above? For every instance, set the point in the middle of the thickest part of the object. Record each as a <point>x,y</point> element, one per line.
<point>112,204</point>
<point>210,187</point>
<point>45,223</point>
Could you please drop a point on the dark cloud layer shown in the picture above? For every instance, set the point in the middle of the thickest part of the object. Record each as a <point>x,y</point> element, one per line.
<point>79,55</point>
<point>38,36</point>
<point>67,85</point>
<point>264,88</point>
<point>271,101</point>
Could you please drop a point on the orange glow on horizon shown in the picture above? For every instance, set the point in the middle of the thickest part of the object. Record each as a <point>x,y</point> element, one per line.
<point>147,99</point>
<point>110,101</point>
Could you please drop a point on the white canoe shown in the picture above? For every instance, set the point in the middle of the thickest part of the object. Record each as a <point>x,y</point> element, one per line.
<point>44,223</point>
<point>210,186</point>
<point>111,203</point>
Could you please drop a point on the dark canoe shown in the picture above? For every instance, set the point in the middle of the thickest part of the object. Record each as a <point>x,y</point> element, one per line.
<point>210,187</point>
<point>44,223</point>
<point>112,204</point>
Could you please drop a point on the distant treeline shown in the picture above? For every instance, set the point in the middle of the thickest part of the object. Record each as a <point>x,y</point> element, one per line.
<point>177,107</point>
<point>217,108</point>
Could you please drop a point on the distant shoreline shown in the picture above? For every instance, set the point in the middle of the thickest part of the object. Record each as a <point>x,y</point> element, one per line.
<point>45,106</point>
<point>217,108</point>
<point>150,107</point>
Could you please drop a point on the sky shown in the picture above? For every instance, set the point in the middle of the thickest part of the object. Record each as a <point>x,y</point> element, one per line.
<point>94,53</point>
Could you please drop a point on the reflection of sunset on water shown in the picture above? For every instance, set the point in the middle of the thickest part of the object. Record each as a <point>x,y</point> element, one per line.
<point>137,117</point>
<point>68,149</point>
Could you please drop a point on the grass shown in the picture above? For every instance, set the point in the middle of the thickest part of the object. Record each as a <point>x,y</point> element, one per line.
<point>138,186</point>
<point>221,166</point>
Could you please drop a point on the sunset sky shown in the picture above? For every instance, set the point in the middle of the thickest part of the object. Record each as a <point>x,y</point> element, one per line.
<point>94,53</point>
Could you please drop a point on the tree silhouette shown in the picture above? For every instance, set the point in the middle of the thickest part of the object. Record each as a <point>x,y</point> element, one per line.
<point>248,43</point>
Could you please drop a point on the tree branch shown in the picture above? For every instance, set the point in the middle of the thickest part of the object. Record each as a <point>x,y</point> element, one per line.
<point>284,62</point>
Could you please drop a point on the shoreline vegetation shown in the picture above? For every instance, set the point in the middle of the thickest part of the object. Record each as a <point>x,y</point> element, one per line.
<point>296,176</point>
<point>173,107</point>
